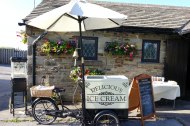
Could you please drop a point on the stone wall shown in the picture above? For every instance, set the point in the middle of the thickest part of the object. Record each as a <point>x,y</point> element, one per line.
<point>57,68</point>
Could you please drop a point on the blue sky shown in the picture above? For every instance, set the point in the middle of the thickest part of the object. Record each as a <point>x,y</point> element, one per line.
<point>158,2</point>
<point>13,11</point>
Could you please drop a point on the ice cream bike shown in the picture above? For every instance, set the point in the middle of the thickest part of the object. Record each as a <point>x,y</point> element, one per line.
<point>105,102</point>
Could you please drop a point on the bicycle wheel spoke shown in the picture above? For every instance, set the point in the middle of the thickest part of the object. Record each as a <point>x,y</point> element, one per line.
<point>47,107</point>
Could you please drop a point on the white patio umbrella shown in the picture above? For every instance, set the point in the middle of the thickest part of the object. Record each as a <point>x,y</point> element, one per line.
<point>78,15</point>
<point>67,17</point>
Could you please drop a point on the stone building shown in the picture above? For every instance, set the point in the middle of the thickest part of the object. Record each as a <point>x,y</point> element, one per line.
<point>151,28</point>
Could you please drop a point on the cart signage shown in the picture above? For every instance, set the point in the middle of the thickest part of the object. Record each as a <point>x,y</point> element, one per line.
<point>107,93</point>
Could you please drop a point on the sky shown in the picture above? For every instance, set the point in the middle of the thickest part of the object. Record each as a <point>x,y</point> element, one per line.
<point>158,2</point>
<point>13,11</point>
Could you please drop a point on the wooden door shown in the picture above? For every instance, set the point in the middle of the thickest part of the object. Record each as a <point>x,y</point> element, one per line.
<point>176,63</point>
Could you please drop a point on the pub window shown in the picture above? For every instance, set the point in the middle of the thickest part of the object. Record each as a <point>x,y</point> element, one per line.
<point>90,48</point>
<point>150,51</point>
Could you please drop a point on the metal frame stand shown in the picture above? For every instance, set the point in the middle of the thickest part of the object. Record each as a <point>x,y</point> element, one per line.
<point>174,104</point>
<point>18,85</point>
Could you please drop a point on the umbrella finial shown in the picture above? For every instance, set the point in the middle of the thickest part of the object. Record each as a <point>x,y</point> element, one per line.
<point>78,1</point>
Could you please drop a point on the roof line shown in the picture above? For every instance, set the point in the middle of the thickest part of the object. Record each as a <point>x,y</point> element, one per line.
<point>181,31</point>
<point>143,5</point>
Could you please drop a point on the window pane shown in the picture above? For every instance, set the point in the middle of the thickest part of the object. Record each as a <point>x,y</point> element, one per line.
<point>90,48</point>
<point>150,51</point>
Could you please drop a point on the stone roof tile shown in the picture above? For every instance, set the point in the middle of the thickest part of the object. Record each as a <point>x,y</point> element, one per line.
<point>139,15</point>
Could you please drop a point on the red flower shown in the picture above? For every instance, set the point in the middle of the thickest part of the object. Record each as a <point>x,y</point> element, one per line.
<point>131,55</point>
<point>68,46</point>
<point>87,72</point>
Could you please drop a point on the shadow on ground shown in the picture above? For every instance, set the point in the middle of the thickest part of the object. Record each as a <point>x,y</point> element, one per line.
<point>5,86</point>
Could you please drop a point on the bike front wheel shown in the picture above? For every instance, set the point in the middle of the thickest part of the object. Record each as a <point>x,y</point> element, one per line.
<point>41,109</point>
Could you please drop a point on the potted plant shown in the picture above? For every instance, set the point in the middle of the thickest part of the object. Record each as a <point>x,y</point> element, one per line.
<point>76,73</point>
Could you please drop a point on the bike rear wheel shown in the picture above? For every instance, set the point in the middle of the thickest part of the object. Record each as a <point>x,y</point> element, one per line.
<point>40,110</point>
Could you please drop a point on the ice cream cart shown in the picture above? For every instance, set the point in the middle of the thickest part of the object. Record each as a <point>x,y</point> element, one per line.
<point>106,95</point>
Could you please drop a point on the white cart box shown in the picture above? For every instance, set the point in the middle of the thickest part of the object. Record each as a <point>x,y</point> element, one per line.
<point>18,67</point>
<point>107,92</point>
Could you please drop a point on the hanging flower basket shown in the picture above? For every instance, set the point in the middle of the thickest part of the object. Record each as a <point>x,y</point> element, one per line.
<point>59,47</point>
<point>122,49</point>
<point>23,36</point>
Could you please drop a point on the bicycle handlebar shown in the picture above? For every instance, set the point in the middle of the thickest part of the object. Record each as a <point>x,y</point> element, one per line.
<point>58,90</point>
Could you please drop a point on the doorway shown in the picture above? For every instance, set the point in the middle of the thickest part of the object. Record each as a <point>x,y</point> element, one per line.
<point>177,65</point>
<point>187,91</point>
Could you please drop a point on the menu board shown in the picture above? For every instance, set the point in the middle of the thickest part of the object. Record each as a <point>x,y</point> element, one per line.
<point>143,85</point>
<point>146,96</point>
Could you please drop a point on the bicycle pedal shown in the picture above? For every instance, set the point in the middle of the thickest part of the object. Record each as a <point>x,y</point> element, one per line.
<point>64,115</point>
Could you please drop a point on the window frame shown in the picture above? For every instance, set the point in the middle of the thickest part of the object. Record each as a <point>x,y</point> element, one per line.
<point>157,60</point>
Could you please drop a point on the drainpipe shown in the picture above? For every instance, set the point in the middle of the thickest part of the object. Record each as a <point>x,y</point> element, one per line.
<point>34,64</point>
<point>34,56</point>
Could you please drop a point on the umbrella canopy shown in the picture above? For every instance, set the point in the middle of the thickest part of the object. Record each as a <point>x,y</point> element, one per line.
<point>66,18</point>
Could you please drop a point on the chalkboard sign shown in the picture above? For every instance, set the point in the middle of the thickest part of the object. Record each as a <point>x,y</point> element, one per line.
<point>146,97</point>
<point>142,85</point>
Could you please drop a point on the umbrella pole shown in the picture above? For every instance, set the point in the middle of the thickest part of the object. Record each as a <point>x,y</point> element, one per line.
<point>83,73</point>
